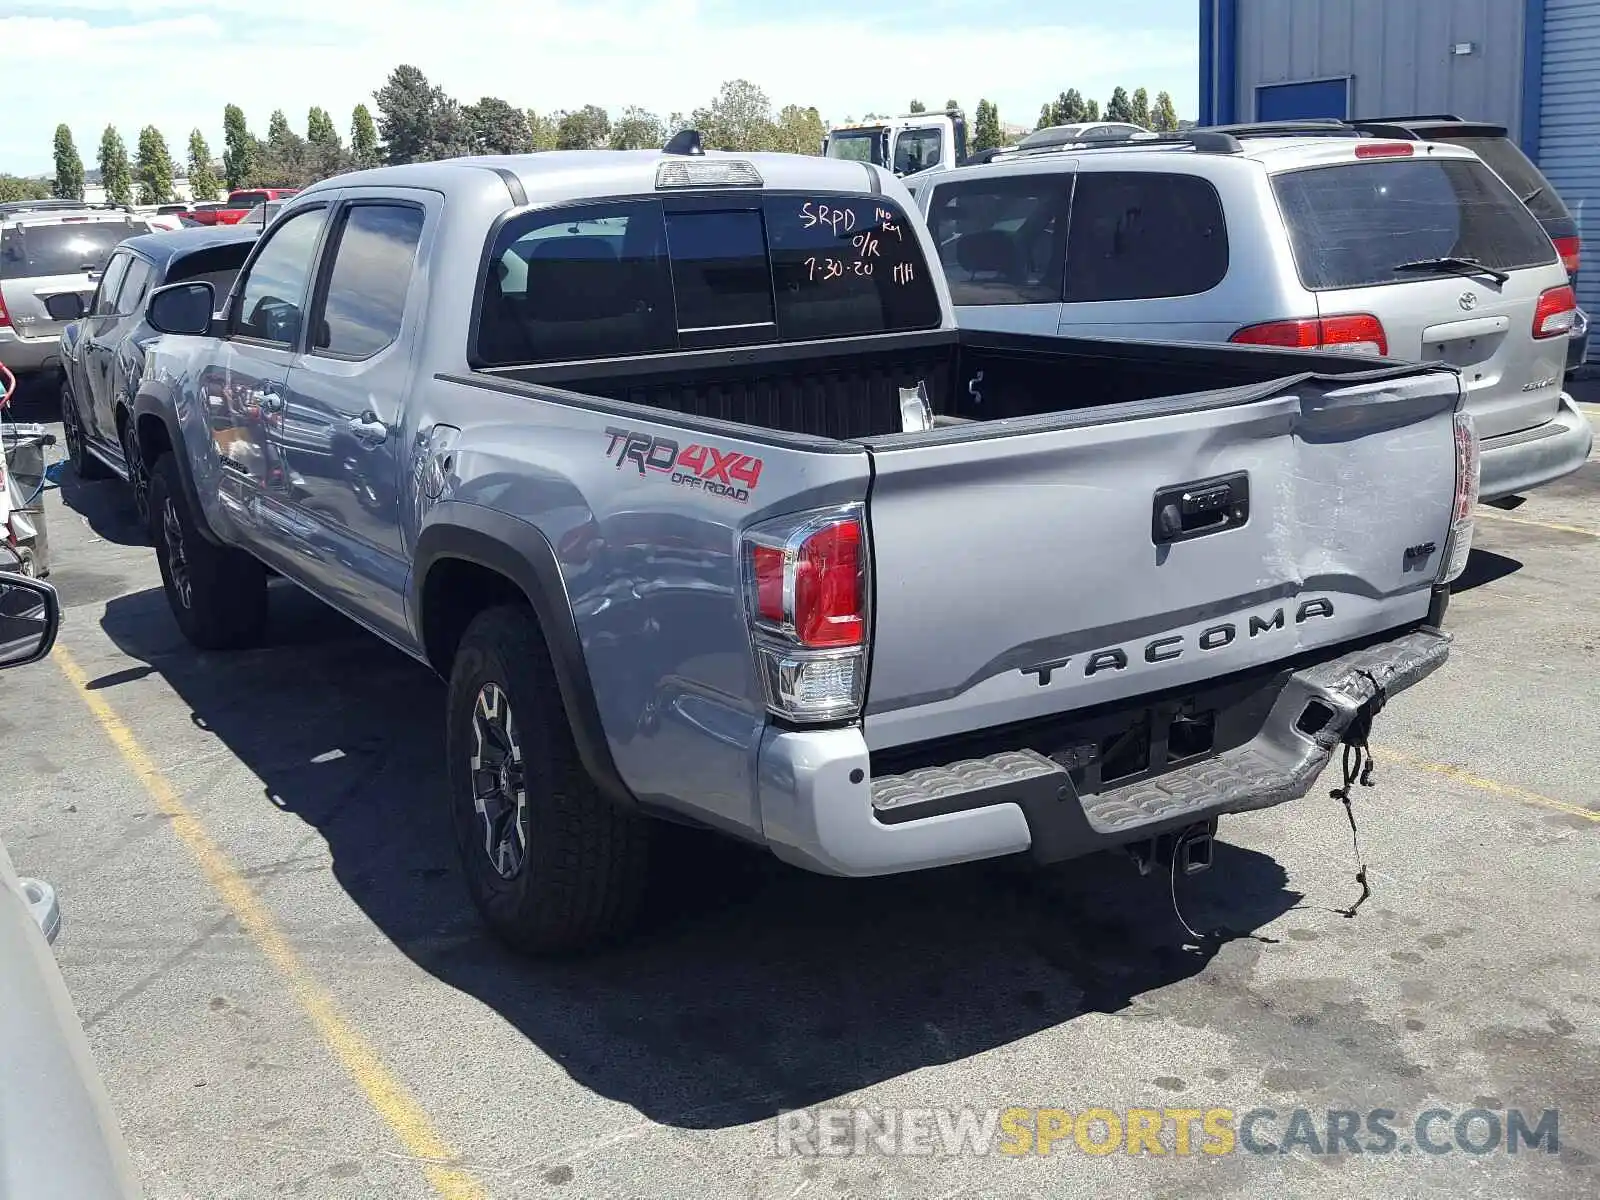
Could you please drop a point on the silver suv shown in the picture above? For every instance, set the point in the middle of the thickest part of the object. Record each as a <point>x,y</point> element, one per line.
<point>47,248</point>
<point>1318,239</point>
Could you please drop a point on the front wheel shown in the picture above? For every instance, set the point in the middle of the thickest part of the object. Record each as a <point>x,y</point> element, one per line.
<point>551,863</point>
<point>84,465</point>
<point>218,594</point>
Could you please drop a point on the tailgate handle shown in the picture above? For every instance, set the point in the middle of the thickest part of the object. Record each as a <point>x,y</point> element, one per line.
<point>1190,510</point>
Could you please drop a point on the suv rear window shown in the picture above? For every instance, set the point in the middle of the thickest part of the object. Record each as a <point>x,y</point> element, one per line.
<point>631,277</point>
<point>68,248</point>
<point>1000,240</point>
<point>1506,160</point>
<point>1352,224</point>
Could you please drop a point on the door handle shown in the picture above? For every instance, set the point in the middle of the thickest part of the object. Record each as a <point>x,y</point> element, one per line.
<point>268,402</point>
<point>1191,510</point>
<point>368,430</point>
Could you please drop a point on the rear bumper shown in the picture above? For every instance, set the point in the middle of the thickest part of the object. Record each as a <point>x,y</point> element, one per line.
<point>1578,343</point>
<point>821,808</point>
<point>1519,462</point>
<point>29,354</point>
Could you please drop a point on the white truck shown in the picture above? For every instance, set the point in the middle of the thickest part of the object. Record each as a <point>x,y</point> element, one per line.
<point>907,144</point>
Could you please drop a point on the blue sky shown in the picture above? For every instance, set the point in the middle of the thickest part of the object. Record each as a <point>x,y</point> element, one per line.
<point>175,63</point>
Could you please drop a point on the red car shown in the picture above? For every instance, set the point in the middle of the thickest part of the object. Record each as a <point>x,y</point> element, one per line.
<point>239,203</point>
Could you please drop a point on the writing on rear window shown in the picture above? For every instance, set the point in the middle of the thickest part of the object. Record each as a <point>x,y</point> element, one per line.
<point>729,474</point>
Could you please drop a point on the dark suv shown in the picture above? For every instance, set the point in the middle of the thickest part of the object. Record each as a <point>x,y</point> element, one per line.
<point>1506,159</point>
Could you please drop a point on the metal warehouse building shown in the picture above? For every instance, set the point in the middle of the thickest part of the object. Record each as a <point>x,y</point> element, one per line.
<point>1530,65</point>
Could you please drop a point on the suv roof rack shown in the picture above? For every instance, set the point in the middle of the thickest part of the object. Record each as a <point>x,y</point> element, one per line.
<point>14,207</point>
<point>1416,128</point>
<point>1413,117</point>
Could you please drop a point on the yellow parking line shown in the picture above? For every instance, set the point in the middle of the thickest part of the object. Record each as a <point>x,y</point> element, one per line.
<point>1495,515</point>
<point>1489,785</point>
<point>384,1091</point>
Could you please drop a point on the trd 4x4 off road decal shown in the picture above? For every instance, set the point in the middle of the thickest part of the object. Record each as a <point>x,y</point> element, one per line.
<point>727,473</point>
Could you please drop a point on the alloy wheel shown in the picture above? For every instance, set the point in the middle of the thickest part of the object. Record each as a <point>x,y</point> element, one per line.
<point>499,793</point>
<point>177,561</point>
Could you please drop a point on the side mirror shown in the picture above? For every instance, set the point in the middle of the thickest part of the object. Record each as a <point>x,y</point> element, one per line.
<point>182,308</point>
<point>65,306</point>
<point>30,617</point>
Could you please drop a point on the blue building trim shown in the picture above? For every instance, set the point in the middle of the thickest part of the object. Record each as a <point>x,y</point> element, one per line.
<point>1532,75</point>
<point>1208,78</point>
<point>1228,61</point>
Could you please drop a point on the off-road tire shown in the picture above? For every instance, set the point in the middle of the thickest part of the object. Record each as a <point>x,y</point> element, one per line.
<point>138,475</point>
<point>585,859</point>
<point>218,595</point>
<point>84,465</point>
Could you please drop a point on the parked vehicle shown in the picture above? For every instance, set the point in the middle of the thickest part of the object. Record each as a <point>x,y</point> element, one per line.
<point>262,214</point>
<point>707,510</point>
<point>1083,133</point>
<point>1493,144</point>
<point>242,200</point>
<point>204,213</point>
<point>1314,236</point>
<point>909,144</point>
<point>103,349</point>
<point>50,248</point>
<point>61,1137</point>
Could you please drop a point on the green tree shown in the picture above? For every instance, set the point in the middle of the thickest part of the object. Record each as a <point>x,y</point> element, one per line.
<point>1119,107</point>
<point>587,128</point>
<point>1091,110</point>
<point>238,148</point>
<point>917,106</point>
<point>324,154</point>
<point>986,133</point>
<point>202,177</point>
<point>69,167</point>
<point>115,175</point>
<point>1164,117</point>
<point>543,130</point>
<point>949,104</point>
<point>154,167</point>
<point>1141,107</point>
<point>638,129</point>
<point>363,139</point>
<point>1070,108</point>
<point>740,118</point>
<point>498,127</point>
<point>417,122</point>
<point>799,130</point>
<point>284,159</point>
<point>15,187</point>
<point>1047,117</point>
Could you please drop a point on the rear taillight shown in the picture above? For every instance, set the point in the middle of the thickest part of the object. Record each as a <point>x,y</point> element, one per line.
<point>1459,544</point>
<point>1384,150</point>
<point>5,317</point>
<point>1571,250</point>
<point>1352,333</point>
<point>1555,313</point>
<point>806,595</point>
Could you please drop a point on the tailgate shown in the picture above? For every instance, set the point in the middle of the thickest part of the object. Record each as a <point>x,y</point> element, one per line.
<point>1026,568</point>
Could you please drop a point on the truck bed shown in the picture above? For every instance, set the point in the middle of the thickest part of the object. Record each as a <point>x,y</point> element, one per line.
<point>837,391</point>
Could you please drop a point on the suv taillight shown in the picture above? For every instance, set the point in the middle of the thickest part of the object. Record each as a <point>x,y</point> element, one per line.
<point>1554,314</point>
<point>806,588</point>
<point>1459,544</point>
<point>1571,250</point>
<point>5,317</point>
<point>1352,333</point>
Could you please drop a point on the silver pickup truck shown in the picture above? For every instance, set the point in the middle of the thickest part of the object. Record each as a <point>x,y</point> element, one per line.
<point>677,468</point>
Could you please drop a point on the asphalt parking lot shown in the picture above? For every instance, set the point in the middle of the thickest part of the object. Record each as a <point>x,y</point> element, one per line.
<point>288,994</point>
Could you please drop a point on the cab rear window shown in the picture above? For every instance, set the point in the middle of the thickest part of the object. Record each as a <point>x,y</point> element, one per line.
<point>641,276</point>
<point>1355,224</point>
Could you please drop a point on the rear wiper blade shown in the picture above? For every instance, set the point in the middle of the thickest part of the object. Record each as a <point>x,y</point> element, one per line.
<point>1533,195</point>
<point>1454,266</point>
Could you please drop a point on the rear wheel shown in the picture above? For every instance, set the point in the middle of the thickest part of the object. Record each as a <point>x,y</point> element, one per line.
<point>551,863</point>
<point>138,474</point>
<point>218,595</point>
<point>84,465</point>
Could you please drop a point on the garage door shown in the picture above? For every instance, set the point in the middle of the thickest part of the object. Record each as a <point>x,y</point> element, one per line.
<point>1569,129</point>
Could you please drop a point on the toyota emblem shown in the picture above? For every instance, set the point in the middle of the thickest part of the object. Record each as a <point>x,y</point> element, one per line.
<point>1469,301</point>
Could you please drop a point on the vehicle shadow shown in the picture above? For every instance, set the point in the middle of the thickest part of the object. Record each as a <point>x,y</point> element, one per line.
<point>106,505</point>
<point>1485,566</point>
<point>754,987</point>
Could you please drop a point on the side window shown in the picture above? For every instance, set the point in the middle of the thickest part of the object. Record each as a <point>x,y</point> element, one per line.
<point>1143,235</point>
<point>1001,239</point>
<point>105,299</point>
<point>372,267</point>
<point>135,286</point>
<point>916,150</point>
<point>274,293</point>
<point>582,283</point>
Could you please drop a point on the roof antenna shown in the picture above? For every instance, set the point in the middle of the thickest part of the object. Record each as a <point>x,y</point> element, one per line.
<point>685,141</point>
